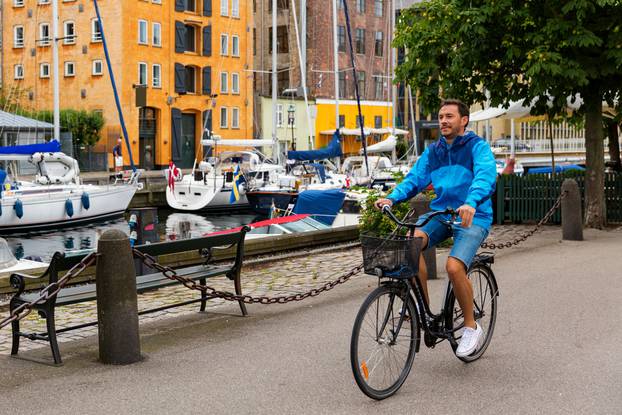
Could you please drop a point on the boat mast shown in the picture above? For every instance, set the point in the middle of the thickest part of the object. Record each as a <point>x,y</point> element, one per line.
<point>336,63</point>
<point>275,140</point>
<point>392,73</point>
<point>55,76</point>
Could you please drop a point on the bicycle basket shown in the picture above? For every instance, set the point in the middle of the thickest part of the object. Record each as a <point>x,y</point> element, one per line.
<point>393,256</point>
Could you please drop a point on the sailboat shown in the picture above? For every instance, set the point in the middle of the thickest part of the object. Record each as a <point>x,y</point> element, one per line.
<point>57,197</point>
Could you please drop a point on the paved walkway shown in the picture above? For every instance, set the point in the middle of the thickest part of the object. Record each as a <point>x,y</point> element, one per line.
<point>283,277</point>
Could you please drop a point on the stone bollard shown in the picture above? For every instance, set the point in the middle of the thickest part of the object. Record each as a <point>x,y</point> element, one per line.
<point>572,219</point>
<point>117,304</point>
<point>421,205</point>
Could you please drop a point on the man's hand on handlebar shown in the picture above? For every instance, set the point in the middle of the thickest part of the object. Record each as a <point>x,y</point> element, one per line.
<point>466,214</point>
<point>380,203</point>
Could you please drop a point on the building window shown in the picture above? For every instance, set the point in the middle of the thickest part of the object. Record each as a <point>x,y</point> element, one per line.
<point>283,80</point>
<point>279,115</point>
<point>44,1</point>
<point>142,74</point>
<point>379,44</point>
<point>378,121</point>
<point>44,34</point>
<point>156,76</point>
<point>343,87</point>
<point>340,4</point>
<point>70,33</point>
<point>190,39</point>
<point>360,120</point>
<point>282,45</point>
<point>143,32</point>
<point>235,83</point>
<point>360,41</point>
<point>224,7</point>
<point>224,44</point>
<point>18,37</point>
<point>44,70</point>
<point>378,7</point>
<point>342,121</point>
<point>378,87</point>
<point>280,5</point>
<point>224,82</point>
<point>70,69</point>
<point>341,38</point>
<point>18,3</point>
<point>96,32</point>
<point>223,117</point>
<point>98,67</point>
<point>235,45</point>
<point>18,71</point>
<point>157,34</point>
<point>190,6</point>
<point>360,6</point>
<point>235,117</point>
<point>235,9</point>
<point>191,84</point>
<point>360,79</point>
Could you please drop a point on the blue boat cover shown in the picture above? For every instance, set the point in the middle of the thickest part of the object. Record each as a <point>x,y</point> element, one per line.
<point>333,149</point>
<point>49,147</point>
<point>558,168</point>
<point>323,205</point>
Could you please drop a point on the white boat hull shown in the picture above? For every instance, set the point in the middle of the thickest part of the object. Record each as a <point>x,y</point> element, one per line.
<point>45,206</point>
<point>191,195</point>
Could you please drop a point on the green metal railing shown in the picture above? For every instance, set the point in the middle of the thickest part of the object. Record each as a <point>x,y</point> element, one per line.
<point>527,198</point>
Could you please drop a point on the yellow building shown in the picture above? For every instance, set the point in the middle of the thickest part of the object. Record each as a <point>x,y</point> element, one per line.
<point>376,114</point>
<point>191,55</point>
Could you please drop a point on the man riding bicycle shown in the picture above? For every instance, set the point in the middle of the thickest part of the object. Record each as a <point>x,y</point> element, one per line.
<point>462,169</point>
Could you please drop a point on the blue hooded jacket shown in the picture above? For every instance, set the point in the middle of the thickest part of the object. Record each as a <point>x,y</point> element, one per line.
<point>461,173</point>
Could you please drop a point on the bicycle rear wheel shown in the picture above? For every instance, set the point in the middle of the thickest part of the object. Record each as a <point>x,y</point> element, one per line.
<point>384,341</point>
<point>485,309</point>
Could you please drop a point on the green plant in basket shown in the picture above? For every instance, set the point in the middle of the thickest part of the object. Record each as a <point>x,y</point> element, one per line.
<point>373,221</point>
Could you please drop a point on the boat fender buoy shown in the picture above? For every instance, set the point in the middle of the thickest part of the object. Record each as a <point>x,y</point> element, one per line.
<point>19,208</point>
<point>86,203</point>
<point>69,207</point>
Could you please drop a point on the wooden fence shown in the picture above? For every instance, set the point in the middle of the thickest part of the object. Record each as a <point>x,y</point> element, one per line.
<point>528,198</point>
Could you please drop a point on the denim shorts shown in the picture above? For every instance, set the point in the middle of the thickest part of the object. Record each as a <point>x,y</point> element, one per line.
<point>466,240</point>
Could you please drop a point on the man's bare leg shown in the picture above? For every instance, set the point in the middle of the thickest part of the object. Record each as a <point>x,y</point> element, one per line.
<point>423,270</point>
<point>462,288</point>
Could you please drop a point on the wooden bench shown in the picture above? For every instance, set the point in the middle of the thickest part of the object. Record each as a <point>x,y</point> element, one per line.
<point>144,283</point>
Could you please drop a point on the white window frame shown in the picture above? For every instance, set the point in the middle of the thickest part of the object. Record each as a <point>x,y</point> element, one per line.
<point>94,65</point>
<point>20,43</point>
<point>225,51</point>
<point>156,80</point>
<point>279,115</point>
<point>18,3</point>
<point>235,83</point>
<point>235,51</point>
<point>223,120</point>
<point>18,71</point>
<point>96,37</point>
<point>43,2</point>
<point>235,118</point>
<point>68,64</point>
<point>44,41</point>
<point>224,7</point>
<point>235,9</point>
<point>69,39</point>
<point>224,86</point>
<point>156,1</point>
<point>143,24</point>
<point>156,41</point>
<point>41,66</point>
<point>141,66</point>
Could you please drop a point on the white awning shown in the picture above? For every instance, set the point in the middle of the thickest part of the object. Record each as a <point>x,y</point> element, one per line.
<point>385,146</point>
<point>368,131</point>
<point>237,143</point>
<point>516,109</point>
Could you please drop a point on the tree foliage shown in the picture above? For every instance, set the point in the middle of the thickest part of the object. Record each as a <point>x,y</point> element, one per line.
<point>85,126</point>
<point>548,52</point>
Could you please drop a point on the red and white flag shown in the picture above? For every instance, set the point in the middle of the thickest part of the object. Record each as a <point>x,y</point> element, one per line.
<point>173,174</point>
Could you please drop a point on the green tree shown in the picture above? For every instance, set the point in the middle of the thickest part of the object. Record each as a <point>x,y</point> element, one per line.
<point>542,51</point>
<point>85,126</point>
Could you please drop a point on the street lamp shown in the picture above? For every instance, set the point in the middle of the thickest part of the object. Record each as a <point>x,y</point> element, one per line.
<point>291,112</point>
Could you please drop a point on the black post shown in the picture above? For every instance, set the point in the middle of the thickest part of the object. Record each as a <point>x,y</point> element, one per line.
<point>572,219</point>
<point>421,205</point>
<point>117,305</point>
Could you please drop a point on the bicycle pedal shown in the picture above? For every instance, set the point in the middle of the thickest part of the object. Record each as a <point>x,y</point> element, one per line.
<point>429,340</point>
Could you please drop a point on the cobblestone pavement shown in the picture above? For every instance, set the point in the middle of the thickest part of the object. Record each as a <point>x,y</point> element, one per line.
<point>283,277</point>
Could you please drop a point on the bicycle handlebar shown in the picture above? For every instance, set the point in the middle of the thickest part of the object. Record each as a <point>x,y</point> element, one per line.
<point>386,209</point>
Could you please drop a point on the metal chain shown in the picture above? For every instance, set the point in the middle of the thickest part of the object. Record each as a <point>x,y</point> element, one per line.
<point>50,290</point>
<point>523,237</point>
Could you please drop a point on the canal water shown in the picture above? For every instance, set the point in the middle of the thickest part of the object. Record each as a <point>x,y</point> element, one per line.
<point>43,244</point>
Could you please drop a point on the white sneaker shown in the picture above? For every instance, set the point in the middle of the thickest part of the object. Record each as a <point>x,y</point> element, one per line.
<point>471,340</point>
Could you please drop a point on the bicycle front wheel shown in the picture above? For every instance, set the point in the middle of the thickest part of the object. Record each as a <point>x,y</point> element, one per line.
<point>484,306</point>
<point>384,341</point>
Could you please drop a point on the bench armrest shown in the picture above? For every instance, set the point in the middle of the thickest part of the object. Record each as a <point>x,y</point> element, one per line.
<point>18,281</point>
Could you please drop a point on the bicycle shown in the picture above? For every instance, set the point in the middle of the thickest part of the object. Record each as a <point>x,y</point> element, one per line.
<point>387,328</point>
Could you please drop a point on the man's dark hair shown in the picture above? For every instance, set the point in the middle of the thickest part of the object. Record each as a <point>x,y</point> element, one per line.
<point>462,108</point>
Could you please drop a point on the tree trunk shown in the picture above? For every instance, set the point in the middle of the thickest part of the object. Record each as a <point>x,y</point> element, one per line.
<point>614,145</point>
<point>595,160</point>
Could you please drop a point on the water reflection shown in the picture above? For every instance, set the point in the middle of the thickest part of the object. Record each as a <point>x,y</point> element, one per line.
<point>171,226</point>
